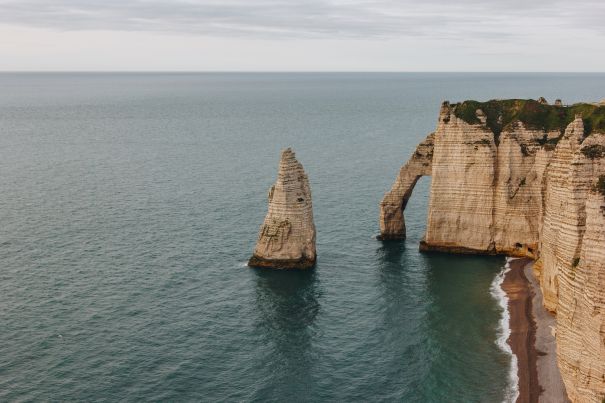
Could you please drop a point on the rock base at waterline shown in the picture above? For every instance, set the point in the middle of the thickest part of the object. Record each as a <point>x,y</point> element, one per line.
<point>298,264</point>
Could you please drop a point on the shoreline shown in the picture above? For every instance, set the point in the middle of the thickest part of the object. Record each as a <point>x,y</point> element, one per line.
<point>522,330</point>
<point>531,338</point>
<point>549,375</point>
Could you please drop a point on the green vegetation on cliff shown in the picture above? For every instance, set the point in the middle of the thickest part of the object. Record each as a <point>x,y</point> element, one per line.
<point>533,114</point>
<point>593,151</point>
<point>601,185</point>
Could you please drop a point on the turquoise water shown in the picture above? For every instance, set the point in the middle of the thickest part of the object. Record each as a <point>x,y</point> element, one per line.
<point>130,203</point>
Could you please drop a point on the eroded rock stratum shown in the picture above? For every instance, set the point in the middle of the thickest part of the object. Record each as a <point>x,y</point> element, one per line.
<point>523,178</point>
<point>286,239</point>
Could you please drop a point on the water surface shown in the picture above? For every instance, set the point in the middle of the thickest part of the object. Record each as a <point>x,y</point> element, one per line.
<point>129,204</point>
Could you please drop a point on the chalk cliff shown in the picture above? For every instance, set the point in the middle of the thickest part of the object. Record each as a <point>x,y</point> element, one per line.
<point>523,178</point>
<point>286,239</point>
<point>572,257</point>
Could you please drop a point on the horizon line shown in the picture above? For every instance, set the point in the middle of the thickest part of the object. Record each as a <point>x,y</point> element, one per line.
<point>301,71</point>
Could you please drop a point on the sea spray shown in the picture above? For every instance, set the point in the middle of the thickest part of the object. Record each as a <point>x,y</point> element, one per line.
<point>504,332</point>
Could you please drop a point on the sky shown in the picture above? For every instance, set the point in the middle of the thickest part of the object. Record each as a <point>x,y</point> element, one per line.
<point>302,35</point>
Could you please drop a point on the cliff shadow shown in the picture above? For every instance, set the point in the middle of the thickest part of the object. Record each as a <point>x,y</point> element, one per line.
<point>391,262</point>
<point>401,276</point>
<point>287,306</point>
<point>390,253</point>
<point>401,287</point>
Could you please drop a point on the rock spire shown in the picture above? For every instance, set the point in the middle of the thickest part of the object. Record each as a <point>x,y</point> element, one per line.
<point>286,239</point>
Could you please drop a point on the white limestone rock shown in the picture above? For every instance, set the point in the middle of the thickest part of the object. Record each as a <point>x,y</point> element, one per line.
<point>286,239</point>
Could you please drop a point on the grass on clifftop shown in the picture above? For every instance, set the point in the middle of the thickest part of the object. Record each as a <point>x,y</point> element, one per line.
<point>533,114</point>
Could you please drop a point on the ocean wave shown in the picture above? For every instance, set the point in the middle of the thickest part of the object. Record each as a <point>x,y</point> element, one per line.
<point>504,332</point>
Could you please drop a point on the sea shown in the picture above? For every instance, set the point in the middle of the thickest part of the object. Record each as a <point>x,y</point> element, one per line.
<point>131,202</point>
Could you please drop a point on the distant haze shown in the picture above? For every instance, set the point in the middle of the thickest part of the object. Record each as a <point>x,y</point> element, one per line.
<point>302,35</point>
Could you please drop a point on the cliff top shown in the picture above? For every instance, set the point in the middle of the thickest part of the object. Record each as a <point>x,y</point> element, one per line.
<point>534,114</point>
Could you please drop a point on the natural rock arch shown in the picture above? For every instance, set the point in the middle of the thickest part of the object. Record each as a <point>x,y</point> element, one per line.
<point>392,222</point>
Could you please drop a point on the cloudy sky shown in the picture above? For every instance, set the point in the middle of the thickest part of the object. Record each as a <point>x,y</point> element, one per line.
<point>303,35</point>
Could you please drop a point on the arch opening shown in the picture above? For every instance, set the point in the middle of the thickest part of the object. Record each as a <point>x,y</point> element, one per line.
<point>392,206</point>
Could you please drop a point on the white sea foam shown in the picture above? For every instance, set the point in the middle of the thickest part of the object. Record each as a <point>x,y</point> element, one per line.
<point>504,332</point>
<point>243,264</point>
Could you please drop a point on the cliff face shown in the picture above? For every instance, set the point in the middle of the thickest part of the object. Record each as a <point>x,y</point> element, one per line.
<point>573,265</point>
<point>581,310</point>
<point>563,218</point>
<point>522,178</point>
<point>286,239</point>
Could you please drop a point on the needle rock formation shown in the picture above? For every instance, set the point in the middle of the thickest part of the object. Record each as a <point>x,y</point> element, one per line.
<point>286,239</point>
<point>523,178</point>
